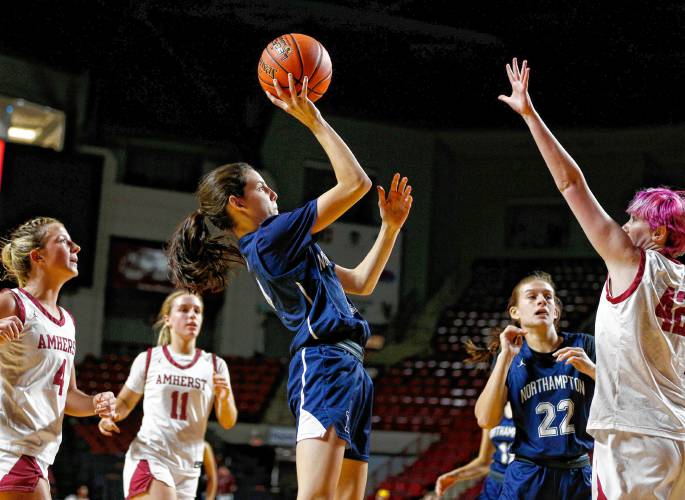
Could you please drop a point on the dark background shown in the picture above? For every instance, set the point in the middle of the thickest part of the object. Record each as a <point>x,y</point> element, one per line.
<point>188,69</point>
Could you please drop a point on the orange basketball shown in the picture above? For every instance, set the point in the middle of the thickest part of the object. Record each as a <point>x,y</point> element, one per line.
<point>300,55</point>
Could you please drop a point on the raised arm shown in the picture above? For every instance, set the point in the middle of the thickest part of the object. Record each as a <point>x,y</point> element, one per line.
<point>394,211</point>
<point>606,236</point>
<point>490,404</point>
<point>352,181</point>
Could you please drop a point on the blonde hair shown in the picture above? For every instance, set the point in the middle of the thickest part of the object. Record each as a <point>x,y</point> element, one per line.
<point>164,337</point>
<point>16,250</point>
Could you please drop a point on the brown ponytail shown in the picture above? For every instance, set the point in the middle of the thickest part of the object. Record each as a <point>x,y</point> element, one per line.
<point>199,261</point>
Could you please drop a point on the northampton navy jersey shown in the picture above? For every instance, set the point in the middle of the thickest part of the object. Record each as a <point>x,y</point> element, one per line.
<point>502,438</point>
<point>551,402</point>
<point>299,281</point>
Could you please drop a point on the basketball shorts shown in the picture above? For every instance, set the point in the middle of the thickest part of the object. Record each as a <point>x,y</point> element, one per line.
<point>139,473</point>
<point>328,386</point>
<point>21,473</point>
<point>529,481</point>
<point>491,489</point>
<point>628,465</point>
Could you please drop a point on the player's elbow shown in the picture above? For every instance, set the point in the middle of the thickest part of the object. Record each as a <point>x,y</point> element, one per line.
<point>360,185</point>
<point>484,418</point>
<point>484,422</point>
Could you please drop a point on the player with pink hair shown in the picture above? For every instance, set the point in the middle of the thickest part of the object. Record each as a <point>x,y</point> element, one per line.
<point>638,411</point>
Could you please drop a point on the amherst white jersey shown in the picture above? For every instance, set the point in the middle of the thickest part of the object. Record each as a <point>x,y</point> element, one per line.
<point>35,371</point>
<point>178,398</point>
<point>640,342</point>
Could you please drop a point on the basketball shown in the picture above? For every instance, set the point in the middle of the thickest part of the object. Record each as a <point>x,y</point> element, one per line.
<point>300,55</point>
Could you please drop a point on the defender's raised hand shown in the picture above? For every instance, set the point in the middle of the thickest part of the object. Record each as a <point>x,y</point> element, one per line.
<point>396,204</point>
<point>519,100</point>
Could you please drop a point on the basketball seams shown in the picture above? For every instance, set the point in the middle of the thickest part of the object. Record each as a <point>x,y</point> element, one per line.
<point>266,81</point>
<point>299,56</point>
<point>318,62</point>
<point>282,68</point>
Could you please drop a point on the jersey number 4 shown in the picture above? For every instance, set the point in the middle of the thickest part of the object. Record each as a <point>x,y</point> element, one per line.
<point>545,429</point>
<point>58,379</point>
<point>176,412</point>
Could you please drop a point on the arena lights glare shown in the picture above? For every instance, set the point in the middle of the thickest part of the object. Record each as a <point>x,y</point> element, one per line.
<point>26,122</point>
<point>22,134</point>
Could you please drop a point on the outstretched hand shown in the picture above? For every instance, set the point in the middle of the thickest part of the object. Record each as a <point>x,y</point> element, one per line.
<point>396,205</point>
<point>298,106</point>
<point>519,100</point>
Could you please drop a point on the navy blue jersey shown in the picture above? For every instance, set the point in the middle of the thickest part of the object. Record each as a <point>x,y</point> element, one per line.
<point>551,402</point>
<point>502,438</point>
<point>299,281</point>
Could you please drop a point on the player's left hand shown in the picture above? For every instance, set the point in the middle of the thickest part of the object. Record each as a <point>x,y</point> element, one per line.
<point>221,388</point>
<point>578,358</point>
<point>396,205</point>
<point>104,404</point>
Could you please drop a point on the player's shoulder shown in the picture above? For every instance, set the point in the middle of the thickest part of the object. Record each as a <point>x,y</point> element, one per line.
<point>10,303</point>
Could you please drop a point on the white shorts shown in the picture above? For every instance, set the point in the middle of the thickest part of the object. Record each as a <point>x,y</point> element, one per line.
<point>139,473</point>
<point>21,473</point>
<point>635,466</point>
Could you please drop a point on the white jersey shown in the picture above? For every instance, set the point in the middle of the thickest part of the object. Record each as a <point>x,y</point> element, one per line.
<point>35,371</point>
<point>640,342</point>
<point>178,397</point>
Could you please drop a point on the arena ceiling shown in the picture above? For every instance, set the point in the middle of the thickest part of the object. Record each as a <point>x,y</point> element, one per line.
<point>187,68</point>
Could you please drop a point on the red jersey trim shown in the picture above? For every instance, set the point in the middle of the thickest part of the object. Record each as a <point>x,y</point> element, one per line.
<point>633,286</point>
<point>167,354</point>
<point>141,479</point>
<point>23,476</point>
<point>148,357</point>
<point>58,322</point>
<point>20,311</point>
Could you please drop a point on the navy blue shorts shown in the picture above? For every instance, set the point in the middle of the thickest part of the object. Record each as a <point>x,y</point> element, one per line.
<point>491,489</point>
<point>328,386</point>
<point>527,481</point>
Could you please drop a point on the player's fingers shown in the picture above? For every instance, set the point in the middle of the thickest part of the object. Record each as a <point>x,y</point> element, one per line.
<point>524,80</point>
<point>407,192</point>
<point>515,67</point>
<point>291,85</point>
<point>381,194</point>
<point>510,74</point>
<point>305,83</point>
<point>403,185</point>
<point>395,181</point>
